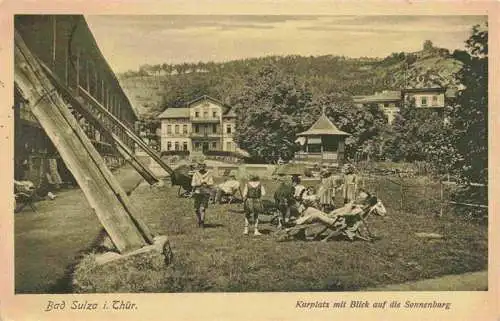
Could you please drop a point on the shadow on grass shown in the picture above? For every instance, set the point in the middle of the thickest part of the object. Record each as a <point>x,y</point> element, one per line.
<point>213,225</point>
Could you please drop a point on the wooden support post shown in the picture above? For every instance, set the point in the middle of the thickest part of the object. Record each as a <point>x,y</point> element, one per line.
<point>101,189</point>
<point>93,118</point>
<point>129,132</point>
<point>54,41</point>
<point>77,71</point>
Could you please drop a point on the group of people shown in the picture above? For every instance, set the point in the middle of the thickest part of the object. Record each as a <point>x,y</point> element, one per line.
<point>291,198</point>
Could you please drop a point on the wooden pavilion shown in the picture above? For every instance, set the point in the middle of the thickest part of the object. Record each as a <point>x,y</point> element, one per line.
<point>322,143</point>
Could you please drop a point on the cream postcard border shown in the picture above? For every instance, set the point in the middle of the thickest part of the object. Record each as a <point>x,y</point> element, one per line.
<point>242,306</point>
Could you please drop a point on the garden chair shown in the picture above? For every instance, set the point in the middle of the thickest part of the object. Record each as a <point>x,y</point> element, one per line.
<point>347,221</point>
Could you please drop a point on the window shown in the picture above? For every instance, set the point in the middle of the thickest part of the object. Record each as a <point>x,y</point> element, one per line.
<point>196,114</point>
<point>424,101</point>
<point>214,114</point>
<point>176,145</point>
<point>169,129</point>
<point>197,128</point>
<point>205,114</point>
<point>214,128</point>
<point>228,129</point>
<point>386,105</point>
<point>214,145</point>
<point>197,146</point>
<point>176,129</point>
<point>169,145</point>
<point>229,146</point>
<point>184,129</point>
<point>434,100</point>
<point>185,146</point>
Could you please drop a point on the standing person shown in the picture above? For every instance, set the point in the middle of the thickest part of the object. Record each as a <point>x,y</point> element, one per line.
<point>202,184</point>
<point>326,191</point>
<point>283,198</point>
<point>349,184</point>
<point>252,194</point>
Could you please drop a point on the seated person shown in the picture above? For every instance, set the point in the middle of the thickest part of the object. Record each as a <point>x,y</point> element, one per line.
<point>347,219</point>
<point>228,188</point>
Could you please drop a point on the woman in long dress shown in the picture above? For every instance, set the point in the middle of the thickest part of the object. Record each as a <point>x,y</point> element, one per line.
<point>350,184</point>
<point>326,191</point>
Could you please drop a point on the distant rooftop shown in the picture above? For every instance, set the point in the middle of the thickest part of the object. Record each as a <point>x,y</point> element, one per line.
<point>386,95</point>
<point>184,112</point>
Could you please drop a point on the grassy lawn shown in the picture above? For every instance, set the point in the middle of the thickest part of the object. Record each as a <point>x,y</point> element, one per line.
<point>49,242</point>
<point>221,258</point>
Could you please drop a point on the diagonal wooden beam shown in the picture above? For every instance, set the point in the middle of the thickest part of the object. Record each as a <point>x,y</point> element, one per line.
<point>118,144</point>
<point>127,130</point>
<point>101,189</point>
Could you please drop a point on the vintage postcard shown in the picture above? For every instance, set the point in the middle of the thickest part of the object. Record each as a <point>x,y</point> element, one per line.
<point>267,160</point>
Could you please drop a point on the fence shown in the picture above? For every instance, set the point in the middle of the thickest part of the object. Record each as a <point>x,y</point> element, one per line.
<point>421,194</point>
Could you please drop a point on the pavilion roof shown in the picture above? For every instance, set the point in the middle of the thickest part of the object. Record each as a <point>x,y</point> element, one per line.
<point>323,126</point>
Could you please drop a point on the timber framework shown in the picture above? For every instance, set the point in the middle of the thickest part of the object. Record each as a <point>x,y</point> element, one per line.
<point>69,102</point>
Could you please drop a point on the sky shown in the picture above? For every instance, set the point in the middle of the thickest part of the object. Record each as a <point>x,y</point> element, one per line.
<point>128,41</point>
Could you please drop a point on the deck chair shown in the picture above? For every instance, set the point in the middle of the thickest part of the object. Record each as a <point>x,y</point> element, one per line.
<point>346,222</point>
<point>24,195</point>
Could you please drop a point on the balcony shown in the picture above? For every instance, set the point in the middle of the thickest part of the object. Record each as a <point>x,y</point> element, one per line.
<point>205,120</point>
<point>205,135</point>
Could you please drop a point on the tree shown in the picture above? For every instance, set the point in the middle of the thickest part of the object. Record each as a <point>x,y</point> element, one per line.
<point>470,115</point>
<point>428,45</point>
<point>415,132</point>
<point>271,110</point>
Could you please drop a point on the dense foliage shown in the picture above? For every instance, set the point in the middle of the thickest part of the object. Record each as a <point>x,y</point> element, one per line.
<point>470,114</point>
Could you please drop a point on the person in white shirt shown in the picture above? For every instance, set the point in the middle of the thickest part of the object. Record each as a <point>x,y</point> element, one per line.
<point>252,195</point>
<point>202,184</point>
<point>229,187</point>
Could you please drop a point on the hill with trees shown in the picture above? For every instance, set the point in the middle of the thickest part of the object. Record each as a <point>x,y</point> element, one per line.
<point>153,88</point>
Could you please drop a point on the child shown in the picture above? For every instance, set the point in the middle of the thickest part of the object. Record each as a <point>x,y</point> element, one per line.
<point>252,194</point>
<point>202,184</point>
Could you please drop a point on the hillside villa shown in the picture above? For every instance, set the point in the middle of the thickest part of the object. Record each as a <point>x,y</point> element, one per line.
<point>205,124</point>
<point>391,101</point>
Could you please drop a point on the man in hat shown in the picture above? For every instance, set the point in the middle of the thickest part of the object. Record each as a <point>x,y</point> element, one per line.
<point>202,184</point>
<point>252,195</point>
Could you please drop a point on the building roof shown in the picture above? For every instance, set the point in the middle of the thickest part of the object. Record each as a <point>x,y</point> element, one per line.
<point>175,113</point>
<point>184,112</point>
<point>386,95</point>
<point>72,35</point>
<point>421,90</point>
<point>323,126</point>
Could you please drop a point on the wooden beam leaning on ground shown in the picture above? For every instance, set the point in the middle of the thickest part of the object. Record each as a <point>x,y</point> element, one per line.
<point>127,130</point>
<point>121,147</point>
<point>108,200</point>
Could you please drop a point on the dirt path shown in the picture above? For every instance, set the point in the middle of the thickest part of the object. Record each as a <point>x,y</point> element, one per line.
<point>49,241</point>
